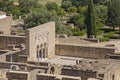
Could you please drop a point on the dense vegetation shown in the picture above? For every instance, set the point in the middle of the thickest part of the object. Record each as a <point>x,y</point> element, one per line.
<point>88,16</point>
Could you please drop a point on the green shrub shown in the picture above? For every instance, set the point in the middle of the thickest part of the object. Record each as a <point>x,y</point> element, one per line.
<point>117,32</point>
<point>63,29</point>
<point>100,25</point>
<point>109,34</point>
<point>99,32</point>
<point>106,30</point>
<point>102,39</point>
<point>79,33</point>
<point>20,31</point>
<point>115,37</point>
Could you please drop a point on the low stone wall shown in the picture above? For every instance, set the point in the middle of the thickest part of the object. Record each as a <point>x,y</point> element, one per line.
<point>6,40</point>
<point>16,56</point>
<point>41,76</point>
<point>83,51</point>
<point>17,76</point>
<point>79,73</point>
<point>21,66</point>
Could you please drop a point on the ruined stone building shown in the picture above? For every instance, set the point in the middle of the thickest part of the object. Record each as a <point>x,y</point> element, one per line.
<point>36,56</point>
<point>40,40</point>
<point>5,23</point>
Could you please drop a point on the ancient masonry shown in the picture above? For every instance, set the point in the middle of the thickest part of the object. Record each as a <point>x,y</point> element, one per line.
<point>40,40</point>
<point>5,23</point>
<point>36,56</point>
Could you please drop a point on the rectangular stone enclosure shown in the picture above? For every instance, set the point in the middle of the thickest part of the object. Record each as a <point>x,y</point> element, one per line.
<point>73,50</point>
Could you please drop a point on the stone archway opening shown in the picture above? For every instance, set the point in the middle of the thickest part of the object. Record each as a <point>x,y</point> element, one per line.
<point>52,70</point>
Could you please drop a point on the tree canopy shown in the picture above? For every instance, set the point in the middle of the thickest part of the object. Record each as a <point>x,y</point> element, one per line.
<point>43,16</point>
<point>114,13</point>
<point>52,6</point>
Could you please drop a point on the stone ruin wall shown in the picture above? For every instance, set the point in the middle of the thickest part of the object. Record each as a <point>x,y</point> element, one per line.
<point>83,51</point>
<point>56,77</point>
<point>6,40</point>
<point>84,74</point>
<point>5,25</point>
<point>14,76</point>
<point>16,57</point>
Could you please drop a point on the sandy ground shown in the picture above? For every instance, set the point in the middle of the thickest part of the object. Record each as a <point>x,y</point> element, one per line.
<point>73,40</point>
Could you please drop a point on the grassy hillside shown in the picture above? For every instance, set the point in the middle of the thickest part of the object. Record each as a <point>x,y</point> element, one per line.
<point>45,1</point>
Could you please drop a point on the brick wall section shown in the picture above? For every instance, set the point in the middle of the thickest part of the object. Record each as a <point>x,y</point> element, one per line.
<point>83,51</point>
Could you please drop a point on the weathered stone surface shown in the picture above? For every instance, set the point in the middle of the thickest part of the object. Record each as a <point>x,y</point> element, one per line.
<point>83,51</point>
<point>6,40</point>
<point>40,41</point>
<point>5,25</point>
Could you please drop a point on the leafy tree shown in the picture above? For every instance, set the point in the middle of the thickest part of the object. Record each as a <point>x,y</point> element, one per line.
<point>101,2</point>
<point>77,2</point>
<point>61,13</point>
<point>63,29</point>
<point>86,2</point>
<point>28,6</point>
<point>90,20</point>
<point>41,17</point>
<point>114,13</point>
<point>5,4</point>
<point>78,32</point>
<point>66,5</point>
<point>72,9</point>
<point>101,14</point>
<point>52,6</point>
<point>24,7</point>
<point>80,23</point>
<point>111,16</point>
<point>10,8</point>
<point>82,9</point>
<point>78,20</point>
<point>15,11</point>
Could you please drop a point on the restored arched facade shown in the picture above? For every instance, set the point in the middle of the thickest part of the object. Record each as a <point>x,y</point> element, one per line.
<point>40,42</point>
<point>42,47</point>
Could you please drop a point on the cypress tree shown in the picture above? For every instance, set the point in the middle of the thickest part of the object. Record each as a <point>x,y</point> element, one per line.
<point>90,20</point>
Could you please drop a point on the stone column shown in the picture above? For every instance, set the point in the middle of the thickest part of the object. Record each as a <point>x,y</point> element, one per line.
<point>10,58</point>
<point>44,52</point>
<point>41,53</point>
